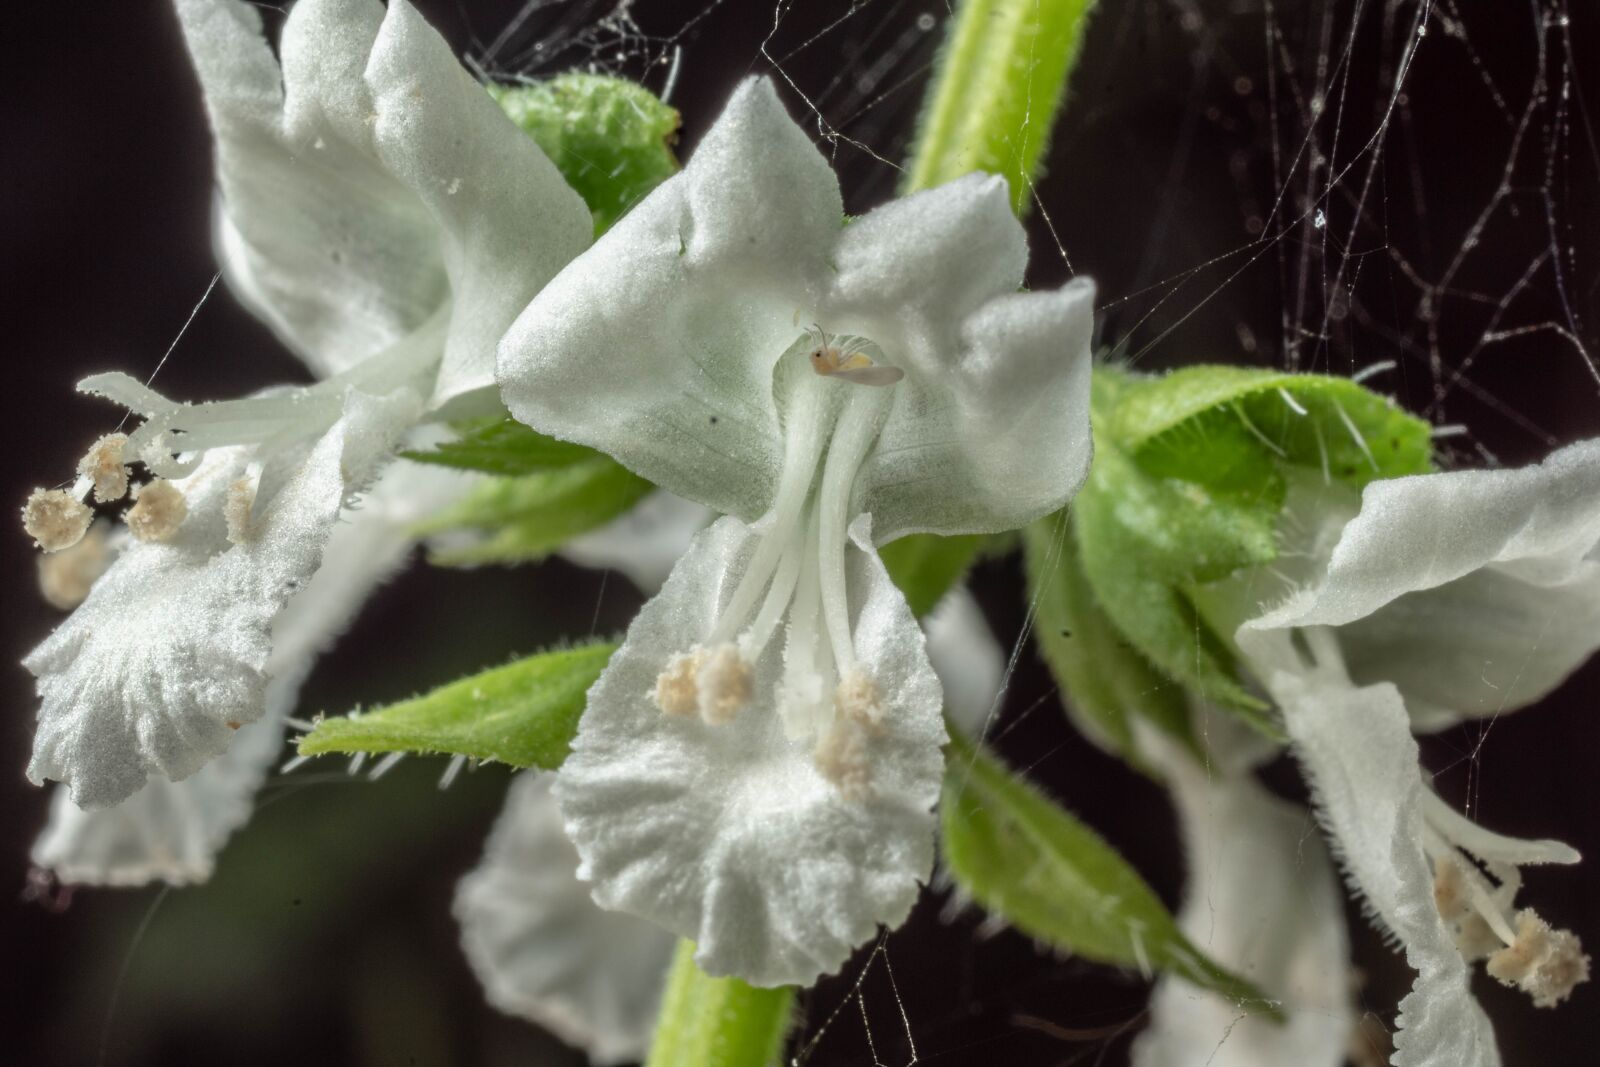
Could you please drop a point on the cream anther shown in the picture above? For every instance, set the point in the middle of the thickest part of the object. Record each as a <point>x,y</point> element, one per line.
<point>1543,962</point>
<point>55,519</point>
<point>859,701</point>
<point>159,508</point>
<point>65,577</point>
<point>726,682</point>
<point>104,468</point>
<point>841,757</point>
<point>677,692</point>
<point>241,498</point>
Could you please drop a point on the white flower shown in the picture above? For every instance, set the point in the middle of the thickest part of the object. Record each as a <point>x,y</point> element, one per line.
<point>378,210</point>
<point>826,386</point>
<point>172,831</point>
<point>1261,900</point>
<point>541,948</point>
<point>1448,596</point>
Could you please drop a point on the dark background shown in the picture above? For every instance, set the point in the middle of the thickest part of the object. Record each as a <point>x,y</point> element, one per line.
<point>325,936</point>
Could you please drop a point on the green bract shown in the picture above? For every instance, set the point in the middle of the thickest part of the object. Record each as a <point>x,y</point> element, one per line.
<point>1190,476</point>
<point>1031,863</point>
<point>502,445</point>
<point>926,566</point>
<point>524,714</point>
<point>610,138</point>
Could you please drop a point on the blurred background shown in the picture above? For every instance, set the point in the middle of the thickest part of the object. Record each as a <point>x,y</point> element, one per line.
<point>1295,183</point>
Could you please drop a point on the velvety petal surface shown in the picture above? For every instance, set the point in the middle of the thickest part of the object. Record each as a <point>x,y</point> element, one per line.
<point>728,834</point>
<point>657,345</point>
<point>1475,592</point>
<point>1356,747</point>
<point>172,644</point>
<point>1263,901</point>
<point>371,181</point>
<point>541,947</point>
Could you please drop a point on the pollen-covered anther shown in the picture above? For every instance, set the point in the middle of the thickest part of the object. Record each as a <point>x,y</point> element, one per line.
<point>1543,962</point>
<point>241,498</point>
<point>104,468</point>
<point>677,691</point>
<point>859,701</point>
<point>55,519</point>
<point>66,577</point>
<point>841,757</point>
<point>159,508</point>
<point>726,682</point>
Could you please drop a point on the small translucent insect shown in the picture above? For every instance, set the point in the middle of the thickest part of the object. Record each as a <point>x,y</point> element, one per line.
<point>851,359</point>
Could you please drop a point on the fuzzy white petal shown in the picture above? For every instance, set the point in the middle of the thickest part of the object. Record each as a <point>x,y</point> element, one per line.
<point>370,182</point>
<point>172,644</point>
<point>505,218</point>
<point>968,660</point>
<point>728,834</point>
<point>541,947</point>
<point>172,831</point>
<point>1475,592</point>
<point>644,543</point>
<point>1356,747</point>
<point>658,345</point>
<point>1263,901</point>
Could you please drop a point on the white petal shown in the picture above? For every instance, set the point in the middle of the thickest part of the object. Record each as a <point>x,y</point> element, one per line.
<point>314,235</point>
<point>932,258</point>
<point>645,542</point>
<point>167,831</point>
<point>999,434</point>
<point>378,182</point>
<point>657,345</point>
<point>506,219</point>
<point>727,834</point>
<point>1262,900</point>
<point>1476,592</point>
<point>172,644</point>
<point>1356,747</point>
<point>541,947</point>
<point>968,660</point>
<point>172,831</point>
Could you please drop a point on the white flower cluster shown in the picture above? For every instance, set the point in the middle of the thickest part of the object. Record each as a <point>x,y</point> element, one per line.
<point>757,768</point>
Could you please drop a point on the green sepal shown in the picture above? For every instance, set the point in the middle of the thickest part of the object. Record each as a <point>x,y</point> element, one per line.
<point>610,138</point>
<point>1105,682</point>
<point>1144,543</point>
<point>524,714</point>
<point>1026,860</point>
<point>518,520</point>
<point>926,566</point>
<point>717,1022</point>
<point>499,444</point>
<point>1232,428</point>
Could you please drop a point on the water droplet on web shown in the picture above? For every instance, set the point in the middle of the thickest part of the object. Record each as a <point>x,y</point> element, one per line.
<point>1321,220</point>
<point>925,22</point>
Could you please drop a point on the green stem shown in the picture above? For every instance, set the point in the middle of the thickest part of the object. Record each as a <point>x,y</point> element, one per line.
<point>1002,76</point>
<point>717,1022</point>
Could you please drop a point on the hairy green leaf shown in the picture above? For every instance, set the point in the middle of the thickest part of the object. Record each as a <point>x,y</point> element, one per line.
<point>516,520</point>
<point>524,714</point>
<point>1230,429</point>
<point>925,566</point>
<point>610,138</point>
<point>1104,680</point>
<point>502,445</point>
<point>1144,543</point>
<point>1031,863</point>
<point>717,1022</point>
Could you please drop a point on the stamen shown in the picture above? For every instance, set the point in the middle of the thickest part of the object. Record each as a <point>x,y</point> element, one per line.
<point>66,577</point>
<point>1544,963</point>
<point>841,757</point>
<point>859,701</point>
<point>677,691</point>
<point>241,498</point>
<point>726,682</point>
<point>55,519</point>
<point>103,466</point>
<point>159,508</point>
